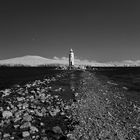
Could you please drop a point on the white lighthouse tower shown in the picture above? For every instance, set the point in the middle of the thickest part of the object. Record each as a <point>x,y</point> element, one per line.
<point>71,59</point>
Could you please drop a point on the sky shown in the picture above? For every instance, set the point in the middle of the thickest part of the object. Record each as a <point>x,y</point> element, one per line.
<point>97,30</point>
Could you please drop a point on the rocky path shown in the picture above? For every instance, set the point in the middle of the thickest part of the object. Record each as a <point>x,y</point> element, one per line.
<point>103,111</point>
<point>68,106</point>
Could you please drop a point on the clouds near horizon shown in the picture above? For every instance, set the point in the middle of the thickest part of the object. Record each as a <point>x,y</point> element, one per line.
<point>76,60</point>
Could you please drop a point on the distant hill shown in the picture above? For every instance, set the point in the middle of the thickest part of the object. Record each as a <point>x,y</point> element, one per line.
<point>30,61</point>
<point>38,60</point>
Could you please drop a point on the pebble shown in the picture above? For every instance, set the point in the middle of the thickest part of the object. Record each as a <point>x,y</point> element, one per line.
<point>33,129</point>
<point>19,99</point>
<point>7,114</point>
<point>54,112</point>
<point>38,113</point>
<point>27,117</point>
<point>62,113</point>
<point>57,130</point>
<point>44,138</point>
<point>16,126</point>
<point>6,92</point>
<point>25,125</point>
<point>42,124</point>
<point>76,94</point>
<point>6,135</point>
<point>25,134</point>
<point>71,137</point>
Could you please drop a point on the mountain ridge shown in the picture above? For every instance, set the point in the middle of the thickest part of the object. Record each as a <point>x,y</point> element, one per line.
<point>34,60</point>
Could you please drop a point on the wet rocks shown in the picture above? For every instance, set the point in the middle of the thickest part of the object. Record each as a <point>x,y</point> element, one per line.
<point>31,109</point>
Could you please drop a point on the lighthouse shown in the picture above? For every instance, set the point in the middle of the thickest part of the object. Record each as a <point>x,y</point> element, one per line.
<point>71,59</point>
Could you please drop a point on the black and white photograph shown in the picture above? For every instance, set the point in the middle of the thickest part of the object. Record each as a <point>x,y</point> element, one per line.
<point>69,70</point>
